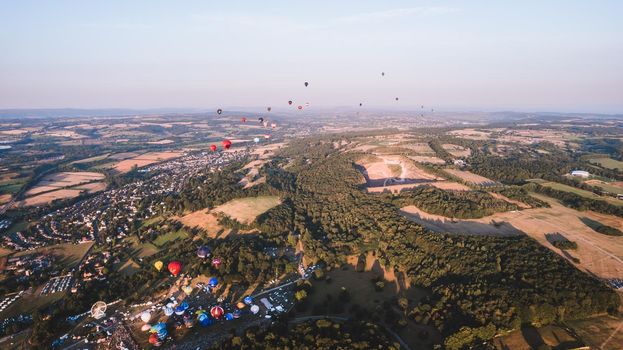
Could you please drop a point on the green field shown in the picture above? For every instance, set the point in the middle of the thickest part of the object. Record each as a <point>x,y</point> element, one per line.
<point>169,237</point>
<point>608,188</point>
<point>607,163</point>
<point>583,193</point>
<point>70,254</point>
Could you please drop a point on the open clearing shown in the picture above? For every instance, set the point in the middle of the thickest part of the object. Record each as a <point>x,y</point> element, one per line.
<point>529,338</point>
<point>599,254</point>
<point>471,134</point>
<point>69,254</point>
<point>63,185</point>
<point>470,177</point>
<point>612,187</point>
<point>608,163</point>
<point>144,159</point>
<point>601,332</point>
<point>580,192</point>
<point>205,220</point>
<point>429,160</point>
<point>456,150</point>
<point>245,210</point>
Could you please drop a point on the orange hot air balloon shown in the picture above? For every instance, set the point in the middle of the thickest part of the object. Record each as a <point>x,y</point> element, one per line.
<point>213,148</point>
<point>175,267</point>
<point>226,144</point>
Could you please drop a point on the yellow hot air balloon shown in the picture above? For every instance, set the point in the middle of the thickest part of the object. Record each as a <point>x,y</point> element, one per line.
<point>187,289</point>
<point>158,265</point>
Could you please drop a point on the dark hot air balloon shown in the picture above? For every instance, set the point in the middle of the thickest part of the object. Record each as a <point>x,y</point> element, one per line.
<point>268,109</point>
<point>290,102</point>
<point>300,107</point>
<point>219,111</point>
<point>306,84</point>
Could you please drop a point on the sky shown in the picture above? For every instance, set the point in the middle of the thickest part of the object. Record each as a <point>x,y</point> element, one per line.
<point>564,56</point>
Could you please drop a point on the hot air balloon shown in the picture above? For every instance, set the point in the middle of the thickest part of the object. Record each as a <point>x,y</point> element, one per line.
<point>306,104</point>
<point>146,327</point>
<point>266,136</point>
<point>226,144</point>
<point>179,310</point>
<point>300,107</point>
<point>175,267</point>
<point>255,309</point>
<point>145,316</point>
<point>204,319</point>
<point>188,321</point>
<point>248,300</point>
<point>203,252</point>
<point>265,124</point>
<point>244,120</point>
<point>184,305</point>
<point>290,102</point>
<point>256,139</point>
<point>153,339</point>
<point>306,84</point>
<point>213,282</point>
<point>158,265</point>
<point>396,98</point>
<point>229,316</point>
<point>188,289</point>
<point>273,125</point>
<point>361,104</point>
<point>268,109</point>
<point>260,119</point>
<point>237,313</point>
<point>216,262</point>
<point>219,111</point>
<point>382,74</point>
<point>422,106</point>
<point>217,312</point>
<point>168,311</point>
<point>241,305</point>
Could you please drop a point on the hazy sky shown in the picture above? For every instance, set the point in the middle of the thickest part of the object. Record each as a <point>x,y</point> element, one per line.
<point>522,55</point>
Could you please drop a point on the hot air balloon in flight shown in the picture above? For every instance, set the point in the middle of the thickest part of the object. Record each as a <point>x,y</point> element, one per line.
<point>306,84</point>
<point>268,109</point>
<point>217,312</point>
<point>260,119</point>
<point>255,309</point>
<point>203,252</point>
<point>175,267</point>
<point>396,98</point>
<point>203,318</point>
<point>256,139</point>
<point>244,119</point>
<point>179,310</point>
<point>216,262</point>
<point>226,144</point>
<point>360,104</point>
<point>213,148</point>
<point>229,316</point>
<point>300,107</point>
<point>153,340</point>
<point>265,124</point>
<point>213,282</point>
<point>290,102</point>
<point>237,313</point>
<point>158,265</point>
<point>168,311</point>
<point>382,74</point>
<point>219,111</point>
<point>273,125</point>
<point>248,300</point>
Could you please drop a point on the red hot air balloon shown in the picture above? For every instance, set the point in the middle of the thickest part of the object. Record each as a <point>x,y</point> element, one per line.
<point>273,125</point>
<point>153,339</point>
<point>213,148</point>
<point>290,103</point>
<point>217,312</point>
<point>244,120</point>
<point>226,144</point>
<point>216,262</point>
<point>300,107</point>
<point>175,267</point>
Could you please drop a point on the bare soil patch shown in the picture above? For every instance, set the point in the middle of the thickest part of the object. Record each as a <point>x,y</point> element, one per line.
<point>145,159</point>
<point>469,177</point>
<point>456,150</point>
<point>245,210</point>
<point>429,160</point>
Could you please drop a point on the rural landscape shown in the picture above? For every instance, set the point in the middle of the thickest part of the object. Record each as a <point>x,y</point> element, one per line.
<point>505,236</point>
<point>311,175</point>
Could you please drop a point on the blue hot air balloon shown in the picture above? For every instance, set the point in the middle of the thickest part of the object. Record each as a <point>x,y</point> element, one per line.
<point>229,316</point>
<point>179,310</point>
<point>248,300</point>
<point>203,252</point>
<point>184,305</point>
<point>213,282</point>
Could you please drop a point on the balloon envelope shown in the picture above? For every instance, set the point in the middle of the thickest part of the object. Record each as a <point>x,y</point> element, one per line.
<point>203,251</point>
<point>255,309</point>
<point>219,111</point>
<point>158,265</point>
<point>145,316</point>
<point>146,327</point>
<point>256,139</point>
<point>248,300</point>
<point>226,144</point>
<point>213,148</point>
<point>187,289</point>
<point>213,282</point>
<point>229,316</point>
<point>168,311</point>
<point>217,312</point>
<point>175,267</point>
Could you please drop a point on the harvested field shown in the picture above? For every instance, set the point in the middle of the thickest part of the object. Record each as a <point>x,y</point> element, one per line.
<point>5,198</point>
<point>63,186</point>
<point>598,254</point>
<point>612,187</point>
<point>456,150</point>
<point>444,185</point>
<point>68,179</point>
<point>420,148</point>
<point>470,177</point>
<point>381,171</point>
<point>426,159</point>
<point>601,332</point>
<point>144,159</point>
<point>204,220</point>
<point>579,192</point>
<point>161,142</point>
<point>529,338</point>
<point>471,134</point>
<point>245,210</point>
<point>48,197</point>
